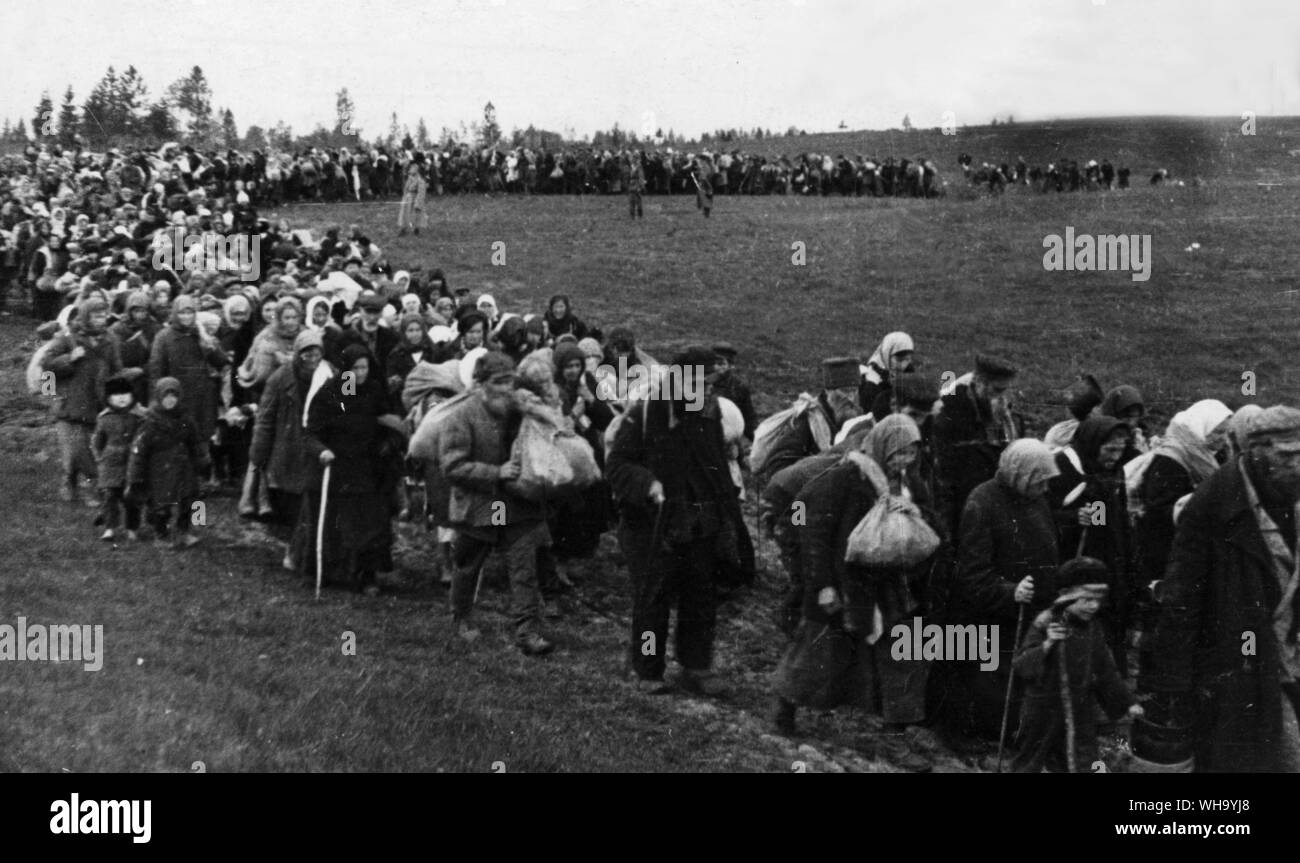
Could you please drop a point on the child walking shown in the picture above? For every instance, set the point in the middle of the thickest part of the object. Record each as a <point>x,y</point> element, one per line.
<point>165,464</point>
<point>115,430</point>
<point>1068,633</point>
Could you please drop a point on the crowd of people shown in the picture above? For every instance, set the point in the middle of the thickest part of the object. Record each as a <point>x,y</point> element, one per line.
<point>339,397</point>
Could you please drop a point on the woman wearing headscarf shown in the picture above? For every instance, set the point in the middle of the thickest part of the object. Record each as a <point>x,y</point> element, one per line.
<point>134,335</point>
<point>560,319</point>
<point>273,346</point>
<point>278,451</point>
<point>1090,502</point>
<point>414,347</point>
<point>1126,404</point>
<point>351,429</point>
<point>182,352</point>
<point>473,334</point>
<point>892,356</point>
<point>841,653</point>
<point>1007,556</point>
<point>487,307</point>
<point>1194,445</point>
<point>320,319</point>
<point>578,520</point>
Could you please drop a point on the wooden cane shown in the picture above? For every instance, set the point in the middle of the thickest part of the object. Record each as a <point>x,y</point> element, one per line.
<point>1068,704</point>
<point>1011,681</point>
<point>320,529</point>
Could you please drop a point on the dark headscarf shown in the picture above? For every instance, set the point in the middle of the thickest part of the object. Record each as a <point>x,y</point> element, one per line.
<point>1120,399</point>
<point>1091,435</point>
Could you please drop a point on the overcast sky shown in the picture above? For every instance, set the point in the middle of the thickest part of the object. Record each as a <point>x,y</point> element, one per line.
<point>689,66</point>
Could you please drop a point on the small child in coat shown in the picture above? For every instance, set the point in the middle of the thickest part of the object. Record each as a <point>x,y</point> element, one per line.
<point>166,463</point>
<point>115,430</point>
<point>1068,633</point>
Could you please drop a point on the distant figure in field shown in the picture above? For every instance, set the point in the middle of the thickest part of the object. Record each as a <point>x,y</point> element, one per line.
<point>412,214</point>
<point>1159,176</point>
<point>1123,175</point>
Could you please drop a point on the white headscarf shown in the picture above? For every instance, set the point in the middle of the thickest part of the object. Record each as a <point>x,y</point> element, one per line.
<point>1025,462</point>
<point>891,345</point>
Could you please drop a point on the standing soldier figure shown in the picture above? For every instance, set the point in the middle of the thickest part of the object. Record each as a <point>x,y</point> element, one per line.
<point>635,185</point>
<point>701,172</point>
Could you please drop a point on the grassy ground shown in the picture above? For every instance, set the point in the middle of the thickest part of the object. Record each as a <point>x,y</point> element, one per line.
<point>215,655</point>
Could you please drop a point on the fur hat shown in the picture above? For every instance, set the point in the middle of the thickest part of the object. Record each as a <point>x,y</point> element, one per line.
<point>118,385</point>
<point>1079,578</point>
<point>840,372</point>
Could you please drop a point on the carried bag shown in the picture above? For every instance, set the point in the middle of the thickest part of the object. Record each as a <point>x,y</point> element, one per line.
<point>774,429</point>
<point>545,470</point>
<point>888,536</point>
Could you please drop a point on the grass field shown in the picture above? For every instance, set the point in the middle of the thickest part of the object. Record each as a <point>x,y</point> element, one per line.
<point>215,656</point>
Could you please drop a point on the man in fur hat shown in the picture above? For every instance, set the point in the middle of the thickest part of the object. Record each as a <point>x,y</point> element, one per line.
<point>814,429</point>
<point>1224,658</point>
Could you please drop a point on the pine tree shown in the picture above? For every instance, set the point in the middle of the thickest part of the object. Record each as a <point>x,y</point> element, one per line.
<point>422,135</point>
<point>159,124</point>
<point>99,114</point>
<point>20,132</point>
<point>192,98</point>
<point>68,120</point>
<point>394,131</point>
<point>254,138</point>
<point>229,132</point>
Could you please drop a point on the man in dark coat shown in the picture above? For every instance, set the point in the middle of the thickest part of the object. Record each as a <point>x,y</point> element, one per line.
<point>1224,656</point>
<point>668,470</point>
<point>814,429</point>
<point>972,428</point>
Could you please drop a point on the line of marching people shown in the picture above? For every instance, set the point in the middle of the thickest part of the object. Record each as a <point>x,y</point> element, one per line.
<point>891,500</point>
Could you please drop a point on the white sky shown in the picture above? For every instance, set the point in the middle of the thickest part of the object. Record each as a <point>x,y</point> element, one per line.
<point>692,66</point>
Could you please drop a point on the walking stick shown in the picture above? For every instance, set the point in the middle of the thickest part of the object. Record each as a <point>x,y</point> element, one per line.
<point>1067,703</point>
<point>320,529</point>
<point>1011,681</point>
